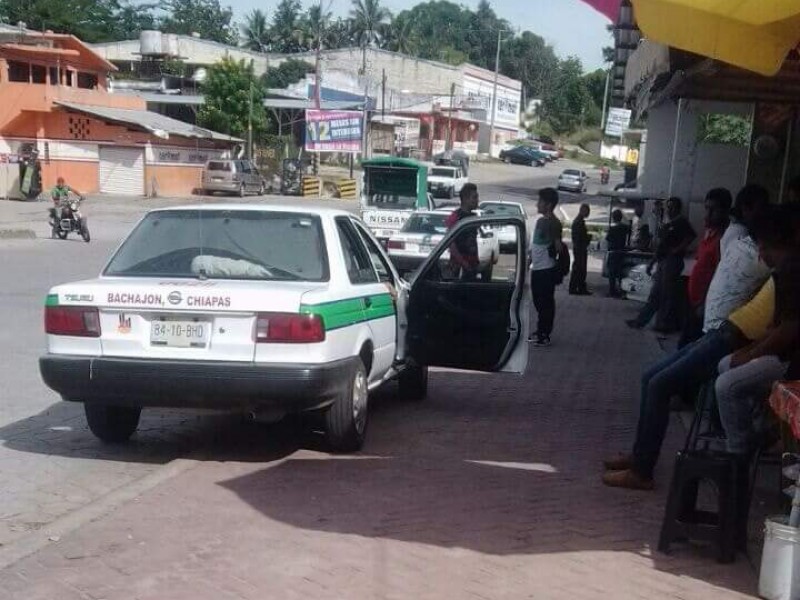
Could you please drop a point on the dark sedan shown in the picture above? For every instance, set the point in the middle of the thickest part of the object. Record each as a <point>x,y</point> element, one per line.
<point>523,156</point>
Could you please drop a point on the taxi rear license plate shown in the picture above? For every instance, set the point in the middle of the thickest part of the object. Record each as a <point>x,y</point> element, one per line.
<point>180,334</point>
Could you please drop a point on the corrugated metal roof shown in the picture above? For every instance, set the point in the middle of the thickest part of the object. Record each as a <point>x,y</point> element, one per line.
<point>151,122</point>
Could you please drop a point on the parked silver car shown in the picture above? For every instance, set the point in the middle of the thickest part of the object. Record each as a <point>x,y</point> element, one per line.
<point>572,180</point>
<point>239,177</point>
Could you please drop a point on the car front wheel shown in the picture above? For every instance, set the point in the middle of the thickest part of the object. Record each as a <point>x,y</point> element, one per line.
<point>346,419</point>
<point>112,424</point>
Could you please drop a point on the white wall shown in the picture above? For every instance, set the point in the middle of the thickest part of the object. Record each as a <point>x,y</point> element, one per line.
<point>698,167</point>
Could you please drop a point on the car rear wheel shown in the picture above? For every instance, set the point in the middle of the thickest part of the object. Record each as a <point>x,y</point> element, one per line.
<point>346,419</point>
<point>413,383</point>
<point>112,424</point>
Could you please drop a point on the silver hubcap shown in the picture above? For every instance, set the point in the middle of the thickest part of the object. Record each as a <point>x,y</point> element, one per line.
<point>360,395</point>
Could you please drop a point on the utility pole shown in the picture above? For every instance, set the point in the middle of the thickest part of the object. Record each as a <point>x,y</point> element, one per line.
<point>605,102</point>
<point>250,124</point>
<point>449,144</point>
<point>383,95</point>
<point>318,65</point>
<point>494,89</point>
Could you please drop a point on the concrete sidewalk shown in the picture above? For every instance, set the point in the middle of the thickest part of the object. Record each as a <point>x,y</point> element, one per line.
<point>489,489</point>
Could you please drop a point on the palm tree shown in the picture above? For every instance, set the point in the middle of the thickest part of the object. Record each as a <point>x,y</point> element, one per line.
<point>369,22</point>
<point>402,36</point>
<point>256,32</point>
<point>315,28</point>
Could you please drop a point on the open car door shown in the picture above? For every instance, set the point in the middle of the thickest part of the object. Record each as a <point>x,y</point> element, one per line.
<point>471,319</point>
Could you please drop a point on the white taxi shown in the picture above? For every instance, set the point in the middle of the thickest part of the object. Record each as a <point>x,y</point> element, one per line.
<point>277,309</point>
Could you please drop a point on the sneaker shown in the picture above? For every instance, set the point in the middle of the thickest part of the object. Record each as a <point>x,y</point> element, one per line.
<point>542,341</point>
<point>533,337</point>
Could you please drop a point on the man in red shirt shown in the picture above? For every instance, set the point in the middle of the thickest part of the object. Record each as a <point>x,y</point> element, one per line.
<point>718,209</point>
<point>464,249</point>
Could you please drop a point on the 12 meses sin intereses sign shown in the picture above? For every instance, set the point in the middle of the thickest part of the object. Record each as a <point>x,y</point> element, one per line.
<point>334,130</point>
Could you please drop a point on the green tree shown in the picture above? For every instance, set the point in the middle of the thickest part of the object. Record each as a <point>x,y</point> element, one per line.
<point>402,35</point>
<point>205,17</point>
<point>339,34</point>
<point>287,27</point>
<point>89,20</point>
<point>231,92</point>
<point>596,86</point>
<point>564,105</point>
<point>256,32</point>
<point>369,22</point>
<point>287,73</point>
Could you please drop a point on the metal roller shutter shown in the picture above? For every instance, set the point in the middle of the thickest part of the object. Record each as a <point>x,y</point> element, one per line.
<point>122,171</point>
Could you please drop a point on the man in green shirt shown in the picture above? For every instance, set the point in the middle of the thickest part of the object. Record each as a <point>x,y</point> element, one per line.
<point>60,195</point>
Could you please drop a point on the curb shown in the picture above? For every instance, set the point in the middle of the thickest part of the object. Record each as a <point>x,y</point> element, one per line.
<point>17,234</point>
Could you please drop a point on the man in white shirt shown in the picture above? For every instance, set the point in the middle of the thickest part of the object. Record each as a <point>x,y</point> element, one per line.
<point>545,247</point>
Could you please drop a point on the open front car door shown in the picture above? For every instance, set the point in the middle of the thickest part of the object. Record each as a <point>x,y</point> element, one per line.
<point>474,318</point>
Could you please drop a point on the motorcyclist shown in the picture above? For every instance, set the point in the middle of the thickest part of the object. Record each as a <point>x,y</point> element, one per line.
<point>60,196</point>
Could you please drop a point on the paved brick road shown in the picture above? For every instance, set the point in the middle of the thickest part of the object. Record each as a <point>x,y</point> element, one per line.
<point>490,489</point>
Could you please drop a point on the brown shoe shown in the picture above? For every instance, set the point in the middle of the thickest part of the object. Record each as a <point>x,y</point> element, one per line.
<point>621,462</point>
<point>628,480</point>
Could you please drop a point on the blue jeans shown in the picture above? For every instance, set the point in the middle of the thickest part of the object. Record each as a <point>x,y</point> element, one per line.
<point>692,365</point>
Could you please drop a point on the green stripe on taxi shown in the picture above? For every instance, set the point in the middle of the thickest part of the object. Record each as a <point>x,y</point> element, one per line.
<point>344,313</point>
<point>51,300</point>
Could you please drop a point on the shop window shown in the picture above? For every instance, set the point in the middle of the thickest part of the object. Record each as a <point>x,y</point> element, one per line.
<point>38,74</point>
<point>19,71</point>
<point>68,78</point>
<point>87,81</point>
<point>54,76</point>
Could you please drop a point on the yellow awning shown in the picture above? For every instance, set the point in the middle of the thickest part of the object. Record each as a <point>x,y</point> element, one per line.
<point>753,34</point>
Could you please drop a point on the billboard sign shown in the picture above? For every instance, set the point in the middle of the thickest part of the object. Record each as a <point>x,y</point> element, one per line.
<point>334,130</point>
<point>619,119</point>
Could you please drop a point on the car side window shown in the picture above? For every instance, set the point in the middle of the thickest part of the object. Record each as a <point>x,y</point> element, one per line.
<point>379,261</point>
<point>357,261</point>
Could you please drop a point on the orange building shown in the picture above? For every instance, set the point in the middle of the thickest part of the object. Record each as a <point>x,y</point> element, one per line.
<point>54,97</point>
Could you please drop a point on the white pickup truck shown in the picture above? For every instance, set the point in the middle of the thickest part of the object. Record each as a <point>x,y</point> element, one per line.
<point>446,182</point>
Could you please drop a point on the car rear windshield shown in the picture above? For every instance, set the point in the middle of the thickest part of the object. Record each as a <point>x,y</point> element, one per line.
<point>392,188</point>
<point>224,244</point>
<point>572,173</point>
<point>501,209</point>
<point>219,166</point>
<point>443,172</point>
<point>428,224</point>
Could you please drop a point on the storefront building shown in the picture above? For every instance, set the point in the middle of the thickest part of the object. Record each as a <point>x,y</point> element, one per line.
<point>54,98</point>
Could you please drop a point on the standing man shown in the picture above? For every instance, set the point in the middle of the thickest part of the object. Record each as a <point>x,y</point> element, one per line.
<point>464,249</point>
<point>546,245</point>
<point>665,297</point>
<point>718,207</point>
<point>616,239</point>
<point>580,251</point>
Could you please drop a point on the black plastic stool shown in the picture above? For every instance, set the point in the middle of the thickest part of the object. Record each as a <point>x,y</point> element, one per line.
<point>696,463</point>
<point>683,521</point>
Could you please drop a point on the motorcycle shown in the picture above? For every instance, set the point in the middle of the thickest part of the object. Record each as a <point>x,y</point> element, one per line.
<point>71,220</point>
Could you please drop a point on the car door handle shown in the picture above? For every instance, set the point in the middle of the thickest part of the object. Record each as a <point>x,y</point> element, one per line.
<point>367,302</point>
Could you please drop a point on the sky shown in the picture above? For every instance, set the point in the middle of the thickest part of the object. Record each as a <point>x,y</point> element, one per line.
<point>570,26</point>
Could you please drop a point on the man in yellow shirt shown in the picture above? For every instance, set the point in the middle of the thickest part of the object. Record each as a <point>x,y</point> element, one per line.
<point>693,364</point>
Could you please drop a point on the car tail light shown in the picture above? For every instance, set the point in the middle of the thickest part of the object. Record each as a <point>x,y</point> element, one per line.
<point>78,321</point>
<point>289,328</point>
<point>396,245</point>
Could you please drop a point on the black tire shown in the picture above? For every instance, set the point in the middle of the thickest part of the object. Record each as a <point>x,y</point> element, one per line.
<point>62,235</point>
<point>112,424</point>
<point>346,423</point>
<point>85,233</point>
<point>413,383</point>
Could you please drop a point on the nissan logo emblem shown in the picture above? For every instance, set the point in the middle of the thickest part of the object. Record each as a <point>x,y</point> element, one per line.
<point>174,298</point>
